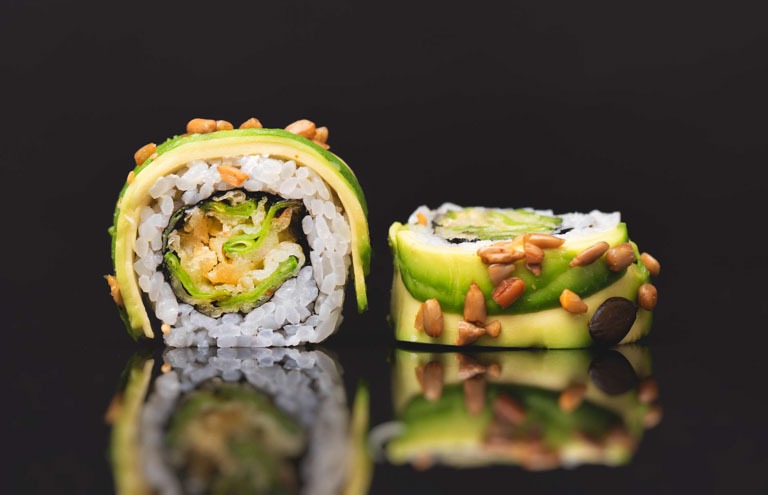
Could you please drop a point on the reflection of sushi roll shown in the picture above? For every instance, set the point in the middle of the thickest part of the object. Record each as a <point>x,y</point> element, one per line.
<point>519,278</point>
<point>239,237</point>
<point>235,421</point>
<point>534,409</point>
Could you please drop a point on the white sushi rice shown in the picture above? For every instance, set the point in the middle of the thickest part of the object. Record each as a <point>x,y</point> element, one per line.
<point>305,385</point>
<point>576,224</point>
<point>304,309</point>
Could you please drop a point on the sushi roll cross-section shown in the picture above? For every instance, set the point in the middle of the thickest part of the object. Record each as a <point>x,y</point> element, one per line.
<point>519,278</point>
<point>238,237</point>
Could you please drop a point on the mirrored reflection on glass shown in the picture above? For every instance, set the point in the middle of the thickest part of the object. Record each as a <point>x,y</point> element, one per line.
<point>227,421</point>
<point>538,410</point>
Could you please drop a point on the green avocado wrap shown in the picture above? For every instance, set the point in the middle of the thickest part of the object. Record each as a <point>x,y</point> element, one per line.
<point>218,221</point>
<point>518,278</point>
<point>538,410</point>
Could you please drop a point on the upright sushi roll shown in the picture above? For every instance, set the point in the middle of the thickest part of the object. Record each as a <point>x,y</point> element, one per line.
<point>239,237</point>
<point>519,278</point>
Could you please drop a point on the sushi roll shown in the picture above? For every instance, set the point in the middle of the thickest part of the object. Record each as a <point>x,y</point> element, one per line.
<point>538,410</point>
<point>238,237</point>
<point>519,278</point>
<point>237,421</point>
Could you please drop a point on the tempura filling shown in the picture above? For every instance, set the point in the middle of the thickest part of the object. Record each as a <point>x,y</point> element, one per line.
<point>231,252</point>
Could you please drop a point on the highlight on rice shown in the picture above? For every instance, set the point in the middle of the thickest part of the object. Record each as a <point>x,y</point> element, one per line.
<point>239,237</point>
<point>519,278</point>
<point>237,421</point>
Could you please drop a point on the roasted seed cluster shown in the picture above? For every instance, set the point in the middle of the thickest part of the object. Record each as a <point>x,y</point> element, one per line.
<point>501,258</point>
<point>304,128</point>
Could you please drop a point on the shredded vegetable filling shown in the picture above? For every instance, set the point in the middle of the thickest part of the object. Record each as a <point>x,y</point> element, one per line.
<point>231,252</point>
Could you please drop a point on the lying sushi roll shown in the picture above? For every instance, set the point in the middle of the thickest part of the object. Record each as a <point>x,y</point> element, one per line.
<point>237,421</point>
<point>239,237</point>
<point>538,410</point>
<point>519,278</point>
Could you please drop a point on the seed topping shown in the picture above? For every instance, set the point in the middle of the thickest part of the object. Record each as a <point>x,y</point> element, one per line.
<point>620,257</point>
<point>508,291</point>
<point>499,271</point>
<point>304,128</point>
<point>223,125</point>
<point>252,123</point>
<point>232,175</point>
<point>571,302</point>
<point>114,290</point>
<point>493,328</point>
<point>500,252</point>
<point>144,152</point>
<point>430,318</point>
<point>321,137</point>
<point>534,255</point>
<point>651,263</point>
<point>201,126</point>
<point>647,296</point>
<point>544,241</point>
<point>468,333</point>
<point>612,320</point>
<point>534,268</point>
<point>474,305</point>
<point>590,254</point>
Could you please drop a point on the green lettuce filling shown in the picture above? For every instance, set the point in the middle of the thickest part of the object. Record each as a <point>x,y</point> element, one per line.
<point>246,243</point>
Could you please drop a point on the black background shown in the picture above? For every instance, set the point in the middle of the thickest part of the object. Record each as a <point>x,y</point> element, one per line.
<point>656,109</point>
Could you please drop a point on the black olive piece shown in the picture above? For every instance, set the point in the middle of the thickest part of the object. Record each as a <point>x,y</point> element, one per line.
<point>612,320</point>
<point>611,372</point>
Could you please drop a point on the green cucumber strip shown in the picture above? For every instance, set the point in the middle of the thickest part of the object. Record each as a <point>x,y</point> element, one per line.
<point>244,209</point>
<point>285,270</point>
<point>492,224</point>
<point>174,265</point>
<point>242,244</point>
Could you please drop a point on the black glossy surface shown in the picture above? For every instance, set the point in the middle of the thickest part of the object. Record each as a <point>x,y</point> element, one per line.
<point>657,110</point>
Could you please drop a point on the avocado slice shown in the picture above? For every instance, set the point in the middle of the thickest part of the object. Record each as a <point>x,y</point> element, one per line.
<point>552,328</point>
<point>445,272</point>
<point>180,150</point>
